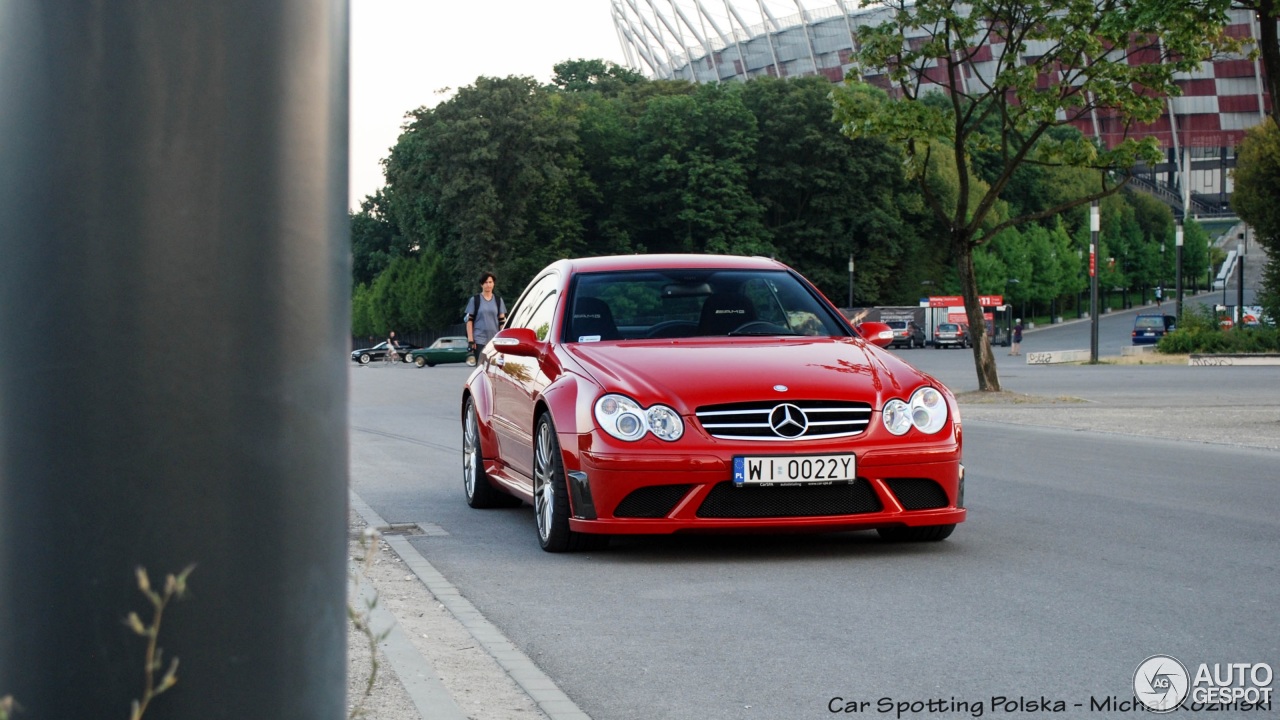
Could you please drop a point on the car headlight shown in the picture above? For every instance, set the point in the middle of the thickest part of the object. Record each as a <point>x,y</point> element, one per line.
<point>896,416</point>
<point>623,418</point>
<point>927,412</point>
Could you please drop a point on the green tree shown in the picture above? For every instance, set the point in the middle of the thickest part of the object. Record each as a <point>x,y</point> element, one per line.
<point>1054,61</point>
<point>600,76</point>
<point>363,323</point>
<point>375,241</point>
<point>695,155</point>
<point>1257,178</point>
<point>825,197</point>
<point>1157,225</point>
<point>487,180</point>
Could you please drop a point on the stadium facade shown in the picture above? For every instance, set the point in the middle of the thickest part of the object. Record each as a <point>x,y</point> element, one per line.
<point>734,40</point>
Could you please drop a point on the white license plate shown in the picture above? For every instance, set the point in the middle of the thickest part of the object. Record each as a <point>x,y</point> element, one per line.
<point>795,470</point>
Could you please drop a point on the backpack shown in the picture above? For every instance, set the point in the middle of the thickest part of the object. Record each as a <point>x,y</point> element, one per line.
<point>474,302</point>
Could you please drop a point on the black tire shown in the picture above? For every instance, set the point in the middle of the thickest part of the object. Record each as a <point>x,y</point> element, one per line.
<point>364,358</point>
<point>475,483</point>
<point>551,496</point>
<point>420,361</point>
<point>928,533</point>
<point>407,358</point>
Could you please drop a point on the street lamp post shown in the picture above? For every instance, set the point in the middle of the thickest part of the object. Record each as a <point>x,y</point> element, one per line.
<point>850,281</point>
<point>1177,259</point>
<point>1008,318</point>
<point>1239,284</point>
<point>1095,225</point>
<point>1160,287</point>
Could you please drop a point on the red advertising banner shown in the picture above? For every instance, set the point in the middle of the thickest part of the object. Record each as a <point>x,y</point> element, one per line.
<point>942,301</point>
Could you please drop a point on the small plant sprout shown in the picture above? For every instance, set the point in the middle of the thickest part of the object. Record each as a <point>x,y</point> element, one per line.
<point>361,618</point>
<point>175,586</point>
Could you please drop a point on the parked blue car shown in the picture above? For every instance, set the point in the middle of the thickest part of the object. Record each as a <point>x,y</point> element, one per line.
<point>1148,329</point>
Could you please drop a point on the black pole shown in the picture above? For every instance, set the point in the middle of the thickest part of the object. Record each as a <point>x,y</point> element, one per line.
<point>1239,285</point>
<point>1095,224</point>
<point>173,186</point>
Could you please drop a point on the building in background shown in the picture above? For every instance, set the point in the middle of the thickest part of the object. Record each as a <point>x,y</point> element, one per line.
<point>727,40</point>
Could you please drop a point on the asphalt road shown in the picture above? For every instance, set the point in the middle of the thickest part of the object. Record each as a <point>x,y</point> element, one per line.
<point>1084,553</point>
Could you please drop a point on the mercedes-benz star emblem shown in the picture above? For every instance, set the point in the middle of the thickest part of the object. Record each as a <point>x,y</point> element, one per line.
<point>788,421</point>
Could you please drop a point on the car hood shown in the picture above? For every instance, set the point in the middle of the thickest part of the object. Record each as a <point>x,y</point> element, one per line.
<point>688,374</point>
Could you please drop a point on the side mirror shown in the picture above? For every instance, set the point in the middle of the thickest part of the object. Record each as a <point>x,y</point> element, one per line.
<point>876,333</point>
<point>518,341</point>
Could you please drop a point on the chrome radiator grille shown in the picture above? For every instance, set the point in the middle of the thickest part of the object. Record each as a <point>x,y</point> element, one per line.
<point>787,420</point>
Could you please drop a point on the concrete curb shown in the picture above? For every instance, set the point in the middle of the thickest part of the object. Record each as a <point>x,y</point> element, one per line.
<point>535,683</point>
<point>416,673</point>
<point>1236,360</point>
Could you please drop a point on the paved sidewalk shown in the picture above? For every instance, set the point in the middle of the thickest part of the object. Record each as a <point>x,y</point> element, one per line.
<point>440,659</point>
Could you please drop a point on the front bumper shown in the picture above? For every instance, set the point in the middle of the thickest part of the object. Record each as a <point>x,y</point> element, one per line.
<point>663,494</point>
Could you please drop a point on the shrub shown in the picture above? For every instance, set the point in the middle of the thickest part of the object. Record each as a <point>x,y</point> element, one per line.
<point>1199,332</point>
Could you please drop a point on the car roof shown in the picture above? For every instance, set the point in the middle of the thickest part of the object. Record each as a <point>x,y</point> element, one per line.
<point>607,263</point>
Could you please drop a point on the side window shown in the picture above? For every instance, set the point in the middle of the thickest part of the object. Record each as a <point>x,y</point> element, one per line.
<point>537,308</point>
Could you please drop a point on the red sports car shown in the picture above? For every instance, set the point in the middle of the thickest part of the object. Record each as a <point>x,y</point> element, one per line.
<point>703,393</point>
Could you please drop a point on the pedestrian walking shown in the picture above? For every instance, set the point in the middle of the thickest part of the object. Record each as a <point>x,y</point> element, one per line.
<point>1016,347</point>
<point>485,314</point>
<point>1159,296</point>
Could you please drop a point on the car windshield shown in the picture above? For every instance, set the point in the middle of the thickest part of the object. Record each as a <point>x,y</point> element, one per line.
<point>683,302</point>
<point>948,327</point>
<point>1150,322</point>
<point>896,324</point>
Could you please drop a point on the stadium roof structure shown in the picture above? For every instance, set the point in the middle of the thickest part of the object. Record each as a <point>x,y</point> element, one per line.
<point>727,40</point>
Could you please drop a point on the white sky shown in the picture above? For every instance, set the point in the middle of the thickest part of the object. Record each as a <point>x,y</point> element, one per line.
<point>404,51</point>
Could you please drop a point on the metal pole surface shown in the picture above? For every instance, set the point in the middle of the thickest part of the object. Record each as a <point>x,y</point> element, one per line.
<point>850,280</point>
<point>1178,270</point>
<point>1095,225</point>
<point>1239,284</point>
<point>174,303</point>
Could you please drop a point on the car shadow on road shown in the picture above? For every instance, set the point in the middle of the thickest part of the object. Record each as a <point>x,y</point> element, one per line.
<point>755,547</point>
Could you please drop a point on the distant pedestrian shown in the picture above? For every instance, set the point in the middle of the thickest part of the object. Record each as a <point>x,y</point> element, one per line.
<point>1159,296</point>
<point>393,347</point>
<point>1016,348</point>
<point>485,313</point>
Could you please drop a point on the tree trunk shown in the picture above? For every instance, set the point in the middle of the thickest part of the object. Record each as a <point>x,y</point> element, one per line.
<point>983,359</point>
